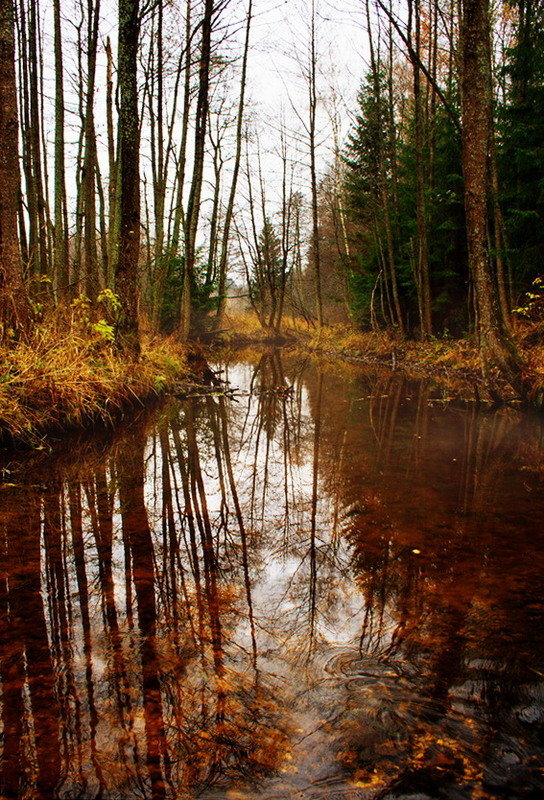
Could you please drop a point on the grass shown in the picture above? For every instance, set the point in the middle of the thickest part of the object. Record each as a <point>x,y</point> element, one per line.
<point>243,327</point>
<point>67,376</point>
<point>457,361</point>
<point>63,377</point>
<point>447,355</point>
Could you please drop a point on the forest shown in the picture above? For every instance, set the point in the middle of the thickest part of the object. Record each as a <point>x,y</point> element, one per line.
<point>271,392</point>
<point>143,193</point>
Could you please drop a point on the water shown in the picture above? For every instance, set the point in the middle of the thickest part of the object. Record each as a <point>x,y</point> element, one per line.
<point>327,586</point>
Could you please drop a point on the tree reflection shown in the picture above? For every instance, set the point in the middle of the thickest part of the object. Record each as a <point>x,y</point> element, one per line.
<point>318,587</point>
<point>137,534</point>
<point>30,708</point>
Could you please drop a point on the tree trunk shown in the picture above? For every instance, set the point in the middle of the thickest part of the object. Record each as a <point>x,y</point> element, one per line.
<point>90,260</point>
<point>126,272</point>
<point>113,215</point>
<point>193,205</point>
<point>60,258</point>
<point>313,172</point>
<point>35,140</point>
<point>14,310</point>
<point>422,255</point>
<point>496,346</point>
<point>223,259</point>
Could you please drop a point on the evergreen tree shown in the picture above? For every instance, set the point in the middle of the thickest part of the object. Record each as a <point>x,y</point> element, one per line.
<point>521,144</point>
<point>370,167</point>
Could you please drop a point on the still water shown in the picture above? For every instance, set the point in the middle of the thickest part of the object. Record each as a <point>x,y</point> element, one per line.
<point>328,585</point>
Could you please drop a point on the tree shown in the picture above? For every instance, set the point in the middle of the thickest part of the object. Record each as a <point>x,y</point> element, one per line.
<point>421,265</point>
<point>495,343</point>
<point>520,143</point>
<point>223,258</point>
<point>60,241</point>
<point>312,120</point>
<point>126,268</point>
<point>193,204</point>
<point>14,309</point>
<point>89,167</point>
<point>369,157</point>
<point>266,278</point>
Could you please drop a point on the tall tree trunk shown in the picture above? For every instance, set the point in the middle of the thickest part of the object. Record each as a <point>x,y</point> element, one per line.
<point>35,139</point>
<point>113,216</point>
<point>14,310</point>
<point>384,180</point>
<point>496,346</point>
<point>193,205</point>
<point>60,258</point>
<point>159,162</point>
<point>313,170</point>
<point>223,260</point>
<point>178,216</point>
<point>126,271</point>
<point>422,255</point>
<point>90,260</point>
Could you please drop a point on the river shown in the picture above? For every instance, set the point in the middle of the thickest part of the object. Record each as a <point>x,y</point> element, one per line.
<point>327,583</point>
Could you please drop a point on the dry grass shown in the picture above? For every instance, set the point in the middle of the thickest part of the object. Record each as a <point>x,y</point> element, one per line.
<point>449,358</point>
<point>456,361</point>
<point>63,378</point>
<point>244,327</point>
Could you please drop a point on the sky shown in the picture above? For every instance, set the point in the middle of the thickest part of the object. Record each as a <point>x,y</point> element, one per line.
<point>277,91</point>
<point>279,60</point>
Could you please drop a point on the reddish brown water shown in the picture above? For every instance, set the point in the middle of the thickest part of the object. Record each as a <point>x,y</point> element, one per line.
<point>330,586</point>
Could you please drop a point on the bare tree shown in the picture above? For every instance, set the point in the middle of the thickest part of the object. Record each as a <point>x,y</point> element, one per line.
<point>14,310</point>
<point>126,268</point>
<point>60,242</point>
<point>312,90</point>
<point>193,204</point>
<point>223,259</point>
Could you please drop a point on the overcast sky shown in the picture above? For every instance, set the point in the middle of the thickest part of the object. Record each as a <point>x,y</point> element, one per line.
<point>276,86</point>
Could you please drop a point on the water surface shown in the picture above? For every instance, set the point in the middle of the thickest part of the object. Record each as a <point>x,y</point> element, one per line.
<point>328,585</point>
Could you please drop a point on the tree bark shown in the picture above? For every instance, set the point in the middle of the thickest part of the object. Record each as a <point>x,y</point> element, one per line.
<point>422,256</point>
<point>193,205</point>
<point>316,253</point>
<point>60,257</point>
<point>14,309</point>
<point>223,259</point>
<point>496,346</point>
<point>126,272</point>
<point>90,260</point>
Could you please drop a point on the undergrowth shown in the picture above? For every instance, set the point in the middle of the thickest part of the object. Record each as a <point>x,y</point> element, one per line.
<point>244,327</point>
<point>64,376</point>
<point>457,360</point>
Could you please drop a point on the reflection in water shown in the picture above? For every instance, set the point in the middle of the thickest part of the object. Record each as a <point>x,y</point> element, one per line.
<point>328,586</point>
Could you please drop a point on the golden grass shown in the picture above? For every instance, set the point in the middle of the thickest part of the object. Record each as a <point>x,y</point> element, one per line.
<point>244,326</point>
<point>458,361</point>
<point>63,378</point>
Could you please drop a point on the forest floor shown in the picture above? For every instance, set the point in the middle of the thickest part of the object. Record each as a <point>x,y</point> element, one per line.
<point>67,379</point>
<point>456,363</point>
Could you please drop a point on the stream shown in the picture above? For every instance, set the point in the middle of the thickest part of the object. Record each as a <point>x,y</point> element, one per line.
<point>326,584</point>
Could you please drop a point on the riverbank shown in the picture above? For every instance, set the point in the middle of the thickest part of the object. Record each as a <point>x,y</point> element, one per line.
<point>455,362</point>
<point>59,381</point>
